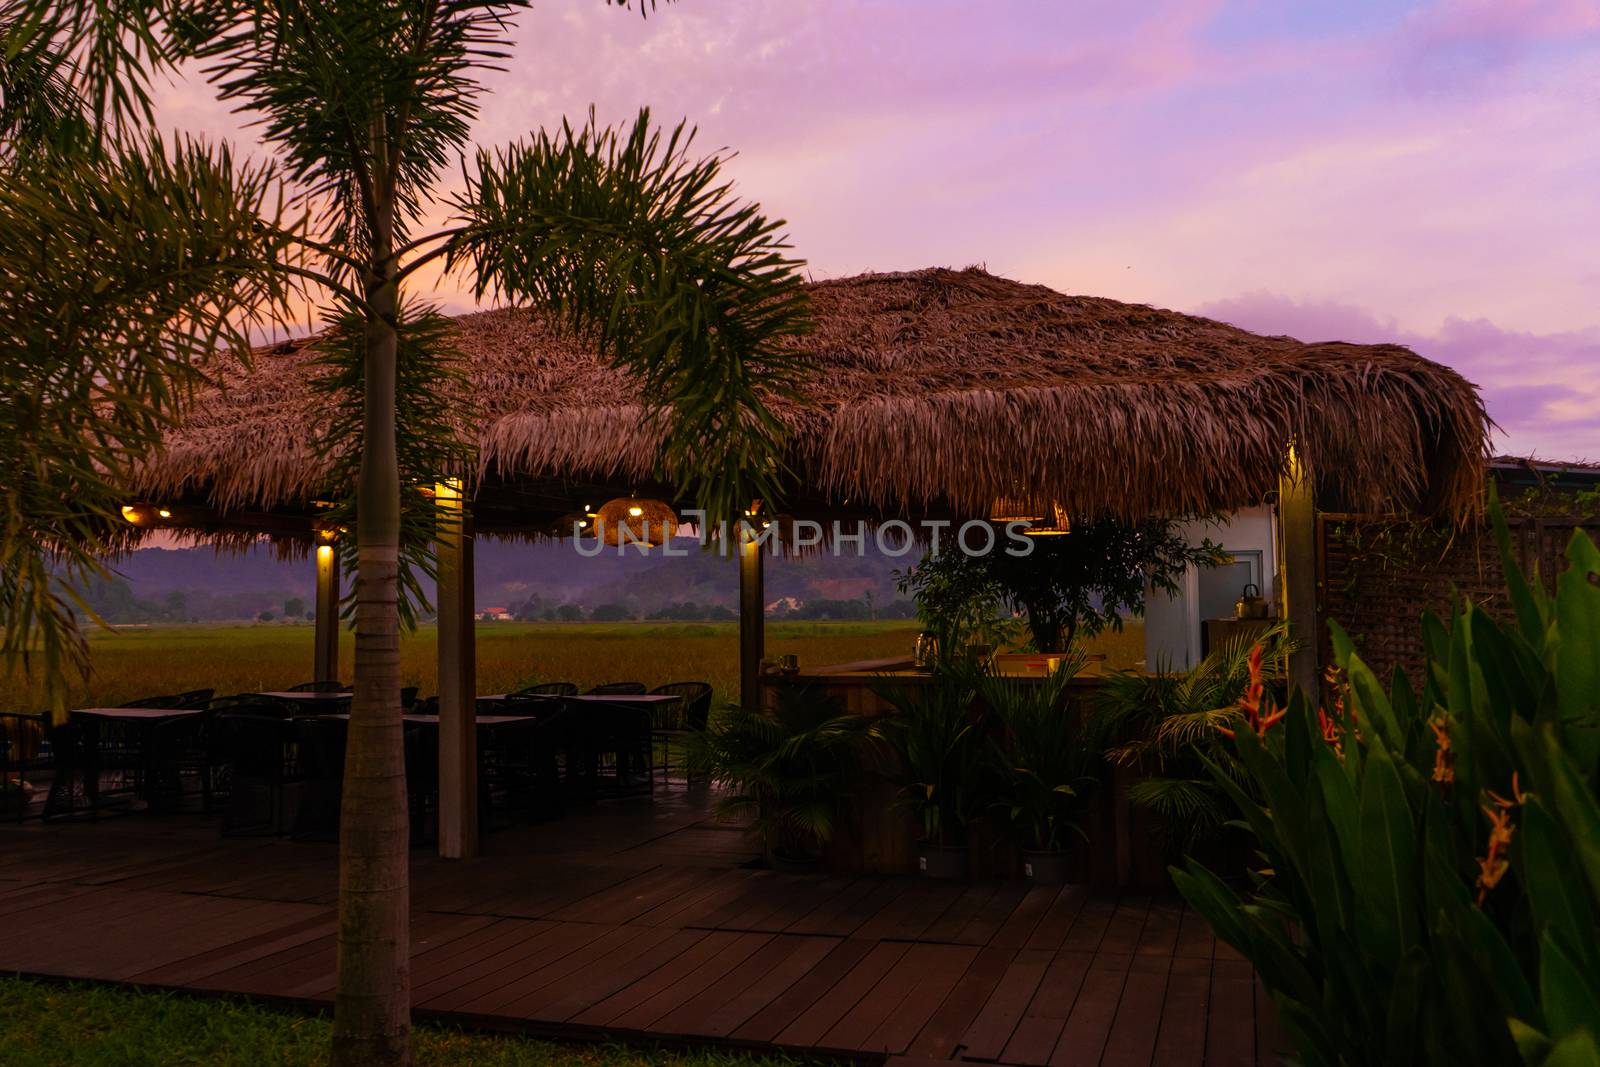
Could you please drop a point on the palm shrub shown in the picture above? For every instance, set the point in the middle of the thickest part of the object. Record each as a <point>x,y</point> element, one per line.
<point>1167,723</point>
<point>936,734</point>
<point>1432,893</point>
<point>786,770</point>
<point>1044,763</point>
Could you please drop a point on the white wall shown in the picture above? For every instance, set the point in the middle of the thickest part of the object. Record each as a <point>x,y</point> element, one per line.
<point>1172,623</point>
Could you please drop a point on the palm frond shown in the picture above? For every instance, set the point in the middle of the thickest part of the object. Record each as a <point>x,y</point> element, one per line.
<point>643,247</point>
<point>119,275</point>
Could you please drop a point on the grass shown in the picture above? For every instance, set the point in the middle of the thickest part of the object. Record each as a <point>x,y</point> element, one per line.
<point>138,662</point>
<point>49,1024</point>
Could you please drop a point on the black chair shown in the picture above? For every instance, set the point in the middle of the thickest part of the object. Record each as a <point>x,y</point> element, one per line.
<point>521,767</point>
<point>181,760</point>
<point>522,702</point>
<point>262,751</point>
<point>427,706</point>
<point>616,750</point>
<point>195,698</point>
<point>422,782</point>
<point>250,704</point>
<point>321,744</point>
<point>676,721</point>
<point>318,687</point>
<point>24,751</point>
<point>618,689</point>
<point>548,689</point>
<point>408,697</point>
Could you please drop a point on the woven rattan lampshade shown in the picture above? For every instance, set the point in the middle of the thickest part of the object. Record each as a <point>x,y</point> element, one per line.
<point>1057,524</point>
<point>1018,508</point>
<point>635,520</point>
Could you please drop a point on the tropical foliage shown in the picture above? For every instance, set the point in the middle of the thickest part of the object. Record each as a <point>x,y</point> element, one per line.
<point>786,771</point>
<point>1433,883</point>
<point>937,737</point>
<point>1068,587</point>
<point>1043,756</point>
<point>122,266</point>
<point>1170,725</point>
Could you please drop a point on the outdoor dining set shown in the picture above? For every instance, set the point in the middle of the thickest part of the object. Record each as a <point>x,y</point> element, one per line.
<point>273,762</point>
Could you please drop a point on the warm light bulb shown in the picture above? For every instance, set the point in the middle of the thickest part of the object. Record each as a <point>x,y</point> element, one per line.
<point>130,513</point>
<point>164,513</point>
<point>582,523</point>
<point>635,511</point>
<point>324,553</point>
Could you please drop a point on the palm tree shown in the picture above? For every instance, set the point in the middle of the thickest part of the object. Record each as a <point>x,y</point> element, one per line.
<point>624,234</point>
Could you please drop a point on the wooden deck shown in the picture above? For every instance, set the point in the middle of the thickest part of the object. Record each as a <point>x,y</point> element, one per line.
<point>642,918</point>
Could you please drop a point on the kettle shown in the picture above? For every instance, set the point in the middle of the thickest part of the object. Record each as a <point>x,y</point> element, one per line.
<point>1251,604</point>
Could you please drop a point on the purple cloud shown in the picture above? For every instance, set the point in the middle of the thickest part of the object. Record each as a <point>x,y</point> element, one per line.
<point>1541,388</point>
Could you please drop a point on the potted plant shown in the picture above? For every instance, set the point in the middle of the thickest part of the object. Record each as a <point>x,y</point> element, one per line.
<point>785,770</point>
<point>1166,724</point>
<point>1044,765</point>
<point>936,736</point>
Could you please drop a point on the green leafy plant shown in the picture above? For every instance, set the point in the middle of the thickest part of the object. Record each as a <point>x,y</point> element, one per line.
<point>1433,884</point>
<point>1068,587</point>
<point>1167,723</point>
<point>936,734</point>
<point>1044,759</point>
<point>786,770</point>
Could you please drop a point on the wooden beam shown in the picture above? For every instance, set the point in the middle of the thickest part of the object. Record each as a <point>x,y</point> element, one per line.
<point>458,683</point>
<point>1297,574</point>
<point>752,622</point>
<point>326,616</point>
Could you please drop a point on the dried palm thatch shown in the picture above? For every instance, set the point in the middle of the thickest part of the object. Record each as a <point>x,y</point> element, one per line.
<point>934,389</point>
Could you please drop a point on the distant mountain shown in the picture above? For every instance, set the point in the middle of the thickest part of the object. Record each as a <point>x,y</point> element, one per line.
<point>201,584</point>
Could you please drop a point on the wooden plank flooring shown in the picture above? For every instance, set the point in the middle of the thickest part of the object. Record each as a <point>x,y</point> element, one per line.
<point>645,918</point>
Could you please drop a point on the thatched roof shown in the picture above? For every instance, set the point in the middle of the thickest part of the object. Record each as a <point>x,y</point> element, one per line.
<point>932,390</point>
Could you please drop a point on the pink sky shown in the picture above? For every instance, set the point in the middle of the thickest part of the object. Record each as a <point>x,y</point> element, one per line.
<point>1427,173</point>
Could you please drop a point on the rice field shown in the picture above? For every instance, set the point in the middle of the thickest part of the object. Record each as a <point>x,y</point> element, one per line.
<point>135,662</point>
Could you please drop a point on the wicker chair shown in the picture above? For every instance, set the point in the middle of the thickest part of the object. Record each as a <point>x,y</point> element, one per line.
<point>261,750</point>
<point>181,762</point>
<point>321,764</point>
<point>676,721</point>
<point>617,689</point>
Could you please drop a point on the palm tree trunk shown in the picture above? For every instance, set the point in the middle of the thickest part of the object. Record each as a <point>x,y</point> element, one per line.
<point>372,1000</point>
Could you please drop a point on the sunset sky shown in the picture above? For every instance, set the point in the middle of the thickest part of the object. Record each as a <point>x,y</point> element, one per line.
<point>1364,170</point>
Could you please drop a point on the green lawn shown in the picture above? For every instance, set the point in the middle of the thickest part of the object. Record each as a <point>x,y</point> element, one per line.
<point>44,1024</point>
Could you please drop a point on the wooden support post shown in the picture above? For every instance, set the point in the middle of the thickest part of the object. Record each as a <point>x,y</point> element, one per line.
<point>1297,574</point>
<point>326,615</point>
<point>752,621</point>
<point>458,683</point>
